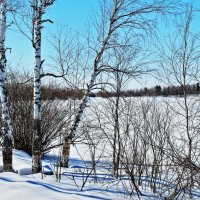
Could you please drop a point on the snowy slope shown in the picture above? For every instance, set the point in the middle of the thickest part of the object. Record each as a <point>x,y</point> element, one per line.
<point>14,186</point>
<point>22,185</point>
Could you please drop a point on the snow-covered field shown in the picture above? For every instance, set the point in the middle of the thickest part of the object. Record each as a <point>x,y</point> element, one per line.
<point>79,181</point>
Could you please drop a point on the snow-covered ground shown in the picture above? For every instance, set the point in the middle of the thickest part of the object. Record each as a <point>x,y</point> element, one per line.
<point>22,185</point>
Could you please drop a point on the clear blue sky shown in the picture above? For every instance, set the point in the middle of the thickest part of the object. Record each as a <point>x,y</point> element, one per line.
<point>74,14</point>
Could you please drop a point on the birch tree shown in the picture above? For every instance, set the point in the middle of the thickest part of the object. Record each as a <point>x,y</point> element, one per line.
<point>119,18</point>
<point>7,130</point>
<point>39,8</point>
<point>5,6</point>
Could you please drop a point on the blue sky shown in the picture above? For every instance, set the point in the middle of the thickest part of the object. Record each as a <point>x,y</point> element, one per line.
<point>72,13</point>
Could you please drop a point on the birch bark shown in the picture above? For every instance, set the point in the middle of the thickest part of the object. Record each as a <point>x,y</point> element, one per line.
<point>68,139</point>
<point>38,11</point>
<point>37,136</point>
<point>7,130</point>
<point>70,136</point>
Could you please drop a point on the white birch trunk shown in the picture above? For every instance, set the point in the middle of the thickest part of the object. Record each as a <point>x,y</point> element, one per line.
<point>7,130</point>
<point>39,7</point>
<point>68,139</point>
<point>71,135</point>
<point>37,136</point>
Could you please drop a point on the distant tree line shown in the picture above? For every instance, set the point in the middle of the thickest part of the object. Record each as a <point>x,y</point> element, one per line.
<point>153,91</point>
<point>51,92</point>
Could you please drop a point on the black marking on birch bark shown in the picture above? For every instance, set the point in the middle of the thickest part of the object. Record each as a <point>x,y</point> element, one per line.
<point>37,147</point>
<point>7,154</point>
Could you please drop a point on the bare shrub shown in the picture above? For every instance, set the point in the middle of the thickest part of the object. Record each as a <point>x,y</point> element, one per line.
<point>56,115</point>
